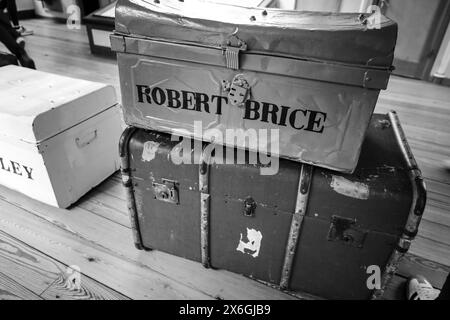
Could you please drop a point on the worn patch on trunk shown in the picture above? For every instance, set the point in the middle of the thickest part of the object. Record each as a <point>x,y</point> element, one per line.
<point>253,244</point>
<point>349,188</point>
<point>149,151</point>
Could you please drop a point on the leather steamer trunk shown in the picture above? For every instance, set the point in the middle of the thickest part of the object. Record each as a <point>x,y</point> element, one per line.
<point>58,135</point>
<point>303,229</point>
<point>194,69</point>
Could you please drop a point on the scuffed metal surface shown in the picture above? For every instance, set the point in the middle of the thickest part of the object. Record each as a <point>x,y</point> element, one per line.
<point>415,176</point>
<point>416,210</point>
<point>304,185</point>
<point>204,169</point>
<point>128,184</point>
<point>315,64</point>
<point>391,267</point>
<point>343,111</point>
<point>329,36</point>
<point>354,189</point>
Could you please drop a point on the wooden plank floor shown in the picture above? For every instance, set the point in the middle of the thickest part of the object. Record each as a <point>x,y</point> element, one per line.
<point>38,242</point>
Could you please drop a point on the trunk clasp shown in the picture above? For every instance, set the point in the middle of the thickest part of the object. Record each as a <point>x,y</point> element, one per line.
<point>238,90</point>
<point>166,191</point>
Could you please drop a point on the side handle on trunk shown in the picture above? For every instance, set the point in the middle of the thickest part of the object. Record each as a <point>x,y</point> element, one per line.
<point>86,139</point>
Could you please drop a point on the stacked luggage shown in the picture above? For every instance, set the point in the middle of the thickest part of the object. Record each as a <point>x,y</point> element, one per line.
<point>312,192</point>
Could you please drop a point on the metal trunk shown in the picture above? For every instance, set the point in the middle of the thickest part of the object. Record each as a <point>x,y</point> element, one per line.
<point>312,77</point>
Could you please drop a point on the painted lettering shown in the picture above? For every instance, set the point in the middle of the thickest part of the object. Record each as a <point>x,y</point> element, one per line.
<point>173,98</point>
<point>269,108</point>
<point>143,92</point>
<point>251,110</point>
<point>295,120</point>
<point>4,167</point>
<point>316,121</point>
<point>29,172</point>
<point>283,116</point>
<point>299,118</point>
<point>16,168</point>
<point>188,100</point>
<point>201,100</point>
<point>158,96</point>
<point>219,103</point>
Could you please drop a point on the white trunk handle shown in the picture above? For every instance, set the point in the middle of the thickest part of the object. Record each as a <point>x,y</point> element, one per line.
<point>86,139</point>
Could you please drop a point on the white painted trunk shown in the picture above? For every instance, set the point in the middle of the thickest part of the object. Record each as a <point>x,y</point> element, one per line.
<point>58,136</point>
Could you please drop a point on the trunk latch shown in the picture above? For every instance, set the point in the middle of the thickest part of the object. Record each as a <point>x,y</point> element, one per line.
<point>166,191</point>
<point>232,48</point>
<point>344,231</point>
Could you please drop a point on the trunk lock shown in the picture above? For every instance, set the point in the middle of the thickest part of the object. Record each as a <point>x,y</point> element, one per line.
<point>249,207</point>
<point>166,191</point>
<point>238,90</point>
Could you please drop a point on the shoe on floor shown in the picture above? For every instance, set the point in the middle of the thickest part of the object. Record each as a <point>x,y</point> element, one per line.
<point>419,288</point>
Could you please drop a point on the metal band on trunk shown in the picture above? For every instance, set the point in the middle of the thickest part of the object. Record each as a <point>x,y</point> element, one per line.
<point>128,184</point>
<point>347,74</point>
<point>416,210</point>
<point>204,209</point>
<point>304,185</point>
